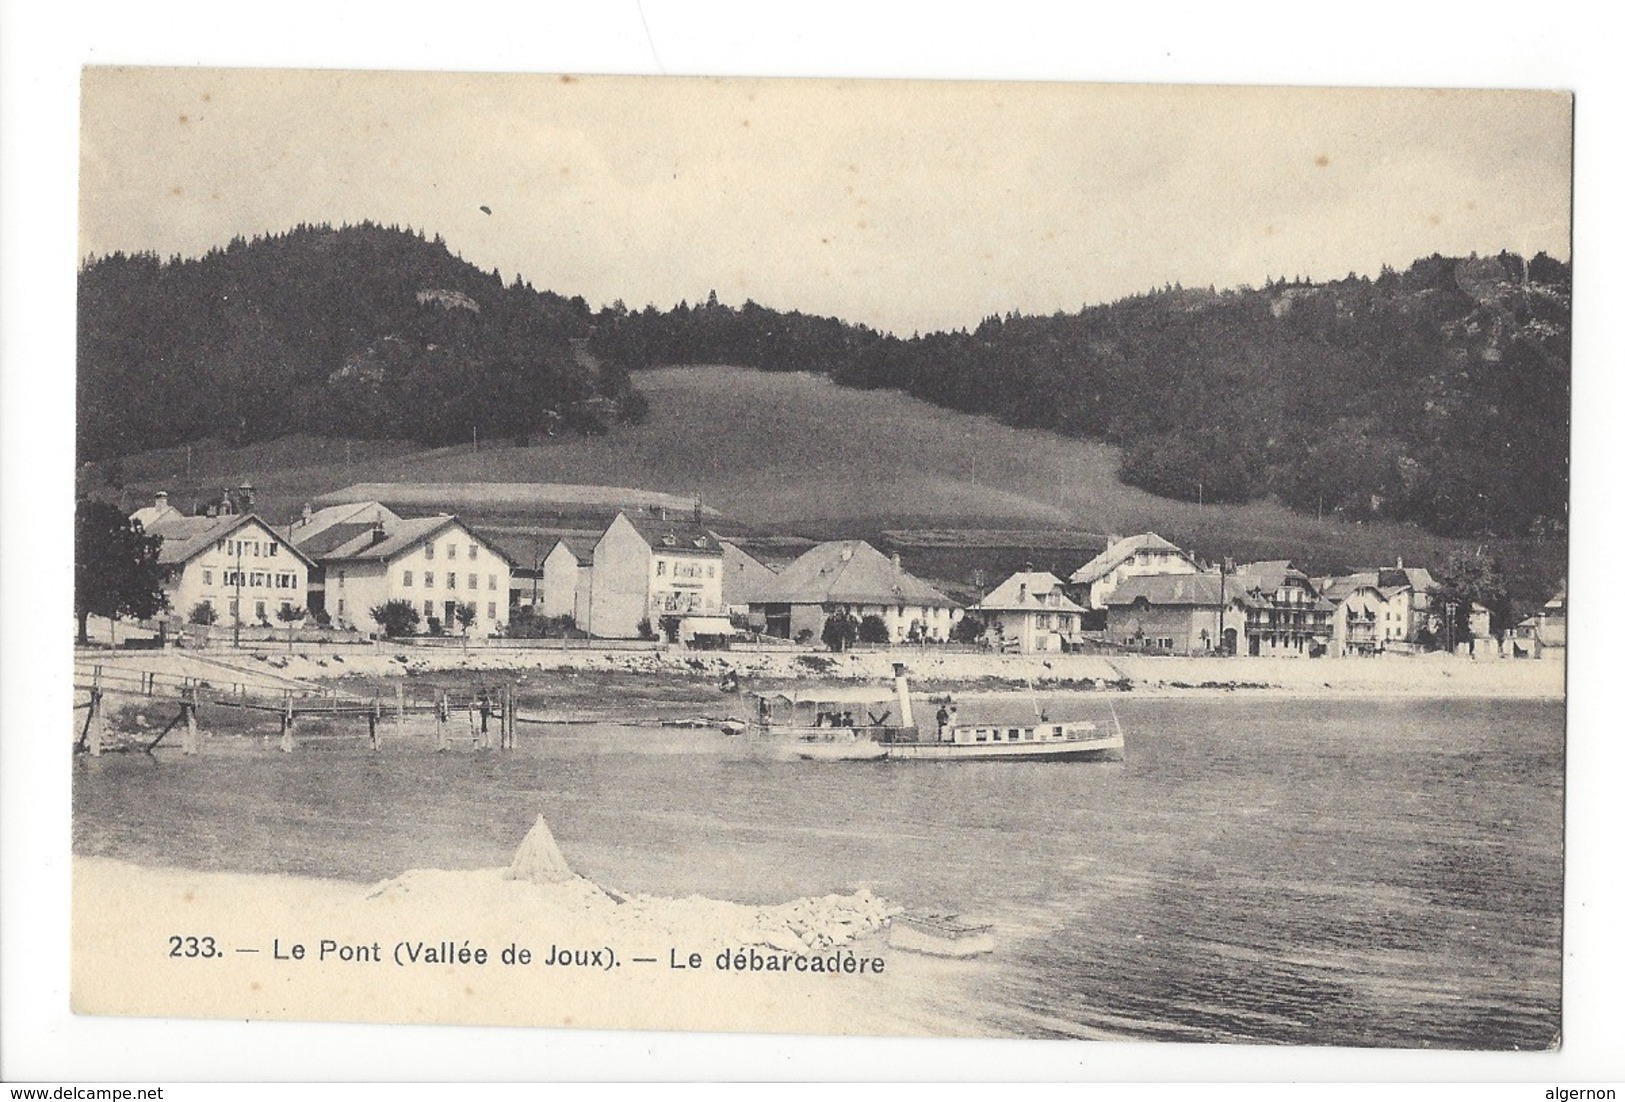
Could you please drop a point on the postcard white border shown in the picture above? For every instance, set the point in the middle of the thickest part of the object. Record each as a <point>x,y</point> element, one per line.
<point>1554,45</point>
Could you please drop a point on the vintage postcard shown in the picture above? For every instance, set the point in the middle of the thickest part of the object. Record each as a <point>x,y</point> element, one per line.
<point>897,559</point>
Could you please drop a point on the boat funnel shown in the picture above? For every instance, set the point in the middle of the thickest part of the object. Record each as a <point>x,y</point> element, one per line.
<point>905,707</point>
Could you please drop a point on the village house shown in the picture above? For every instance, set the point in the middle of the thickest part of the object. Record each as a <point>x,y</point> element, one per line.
<point>1147,554</point>
<point>1179,613</point>
<point>744,580</point>
<point>1545,634</point>
<point>434,563</point>
<point>646,569</point>
<point>160,510</point>
<point>316,532</point>
<point>236,564</point>
<point>1285,614</point>
<point>1029,613</point>
<point>566,581</point>
<point>1384,609</point>
<point>852,577</point>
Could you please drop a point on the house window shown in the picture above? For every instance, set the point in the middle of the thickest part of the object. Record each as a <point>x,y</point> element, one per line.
<point>473,551</point>
<point>406,580</point>
<point>490,581</point>
<point>257,579</point>
<point>273,549</point>
<point>491,610</point>
<point>341,579</point>
<point>428,579</point>
<point>234,607</point>
<point>428,608</point>
<point>451,550</point>
<point>259,610</point>
<point>208,577</point>
<point>428,551</point>
<point>660,568</point>
<point>451,580</point>
<point>711,570</point>
<point>473,581</point>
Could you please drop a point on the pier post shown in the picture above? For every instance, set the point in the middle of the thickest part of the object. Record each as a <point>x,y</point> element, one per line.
<point>287,724</point>
<point>189,708</point>
<point>97,720</point>
<point>440,718</point>
<point>400,711</point>
<point>372,723</point>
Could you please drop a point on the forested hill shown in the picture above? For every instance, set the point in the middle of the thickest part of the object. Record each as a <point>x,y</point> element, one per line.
<point>363,331</point>
<point>1438,395</point>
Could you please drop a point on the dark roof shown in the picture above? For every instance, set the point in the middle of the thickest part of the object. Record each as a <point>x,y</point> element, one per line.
<point>675,535</point>
<point>400,537</point>
<point>849,572</point>
<point>323,541</point>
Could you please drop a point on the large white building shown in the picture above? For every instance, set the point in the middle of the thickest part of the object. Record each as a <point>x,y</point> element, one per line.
<point>237,565</point>
<point>1145,555</point>
<point>648,568</point>
<point>434,563</point>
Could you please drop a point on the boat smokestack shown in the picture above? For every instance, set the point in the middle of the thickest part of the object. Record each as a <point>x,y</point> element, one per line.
<point>905,707</point>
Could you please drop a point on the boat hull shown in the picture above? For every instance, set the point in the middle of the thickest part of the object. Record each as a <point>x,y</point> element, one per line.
<point>1103,749</point>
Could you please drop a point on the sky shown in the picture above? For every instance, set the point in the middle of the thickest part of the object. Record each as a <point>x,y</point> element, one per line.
<point>907,205</point>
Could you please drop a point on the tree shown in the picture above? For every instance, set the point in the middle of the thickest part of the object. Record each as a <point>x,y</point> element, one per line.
<point>840,630</point>
<point>670,626</point>
<point>465,614</point>
<point>115,566</point>
<point>967,629</point>
<point>873,629</point>
<point>202,613</point>
<point>1469,577</point>
<point>290,615</point>
<point>397,617</point>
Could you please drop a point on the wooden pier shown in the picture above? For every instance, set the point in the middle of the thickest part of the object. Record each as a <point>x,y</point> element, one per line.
<point>187,694</point>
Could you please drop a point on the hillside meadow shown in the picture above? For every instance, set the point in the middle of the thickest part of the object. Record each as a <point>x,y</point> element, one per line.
<point>794,453</point>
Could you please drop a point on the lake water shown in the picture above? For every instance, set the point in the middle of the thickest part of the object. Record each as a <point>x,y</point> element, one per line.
<point>1348,872</point>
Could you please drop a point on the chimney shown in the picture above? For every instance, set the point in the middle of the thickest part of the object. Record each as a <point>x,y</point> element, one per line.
<point>1399,562</point>
<point>1113,537</point>
<point>846,553</point>
<point>1023,591</point>
<point>160,501</point>
<point>905,706</point>
<point>304,514</point>
<point>378,533</point>
<point>245,494</point>
<point>897,562</point>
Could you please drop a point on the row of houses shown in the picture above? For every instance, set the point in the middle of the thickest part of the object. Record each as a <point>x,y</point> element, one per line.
<point>650,571</point>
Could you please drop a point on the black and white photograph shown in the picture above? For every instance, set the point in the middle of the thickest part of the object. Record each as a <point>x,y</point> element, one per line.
<point>1065,562</point>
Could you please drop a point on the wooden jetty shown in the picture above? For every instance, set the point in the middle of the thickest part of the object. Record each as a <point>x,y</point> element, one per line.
<point>186,694</point>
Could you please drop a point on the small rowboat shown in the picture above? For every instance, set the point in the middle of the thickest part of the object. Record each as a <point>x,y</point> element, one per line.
<point>940,935</point>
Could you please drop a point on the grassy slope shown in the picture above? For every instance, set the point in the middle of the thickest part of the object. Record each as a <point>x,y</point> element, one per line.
<point>797,453</point>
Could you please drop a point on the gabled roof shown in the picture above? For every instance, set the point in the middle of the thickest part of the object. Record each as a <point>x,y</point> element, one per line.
<point>1269,574</point>
<point>399,538</point>
<point>576,545</point>
<point>322,543</point>
<point>301,531</point>
<point>1197,590</point>
<point>1341,588</point>
<point>1119,552</point>
<point>151,515</point>
<point>853,573</point>
<point>674,537</point>
<point>744,578</point>
<point>184,538</point>
<point>1029,591</point>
